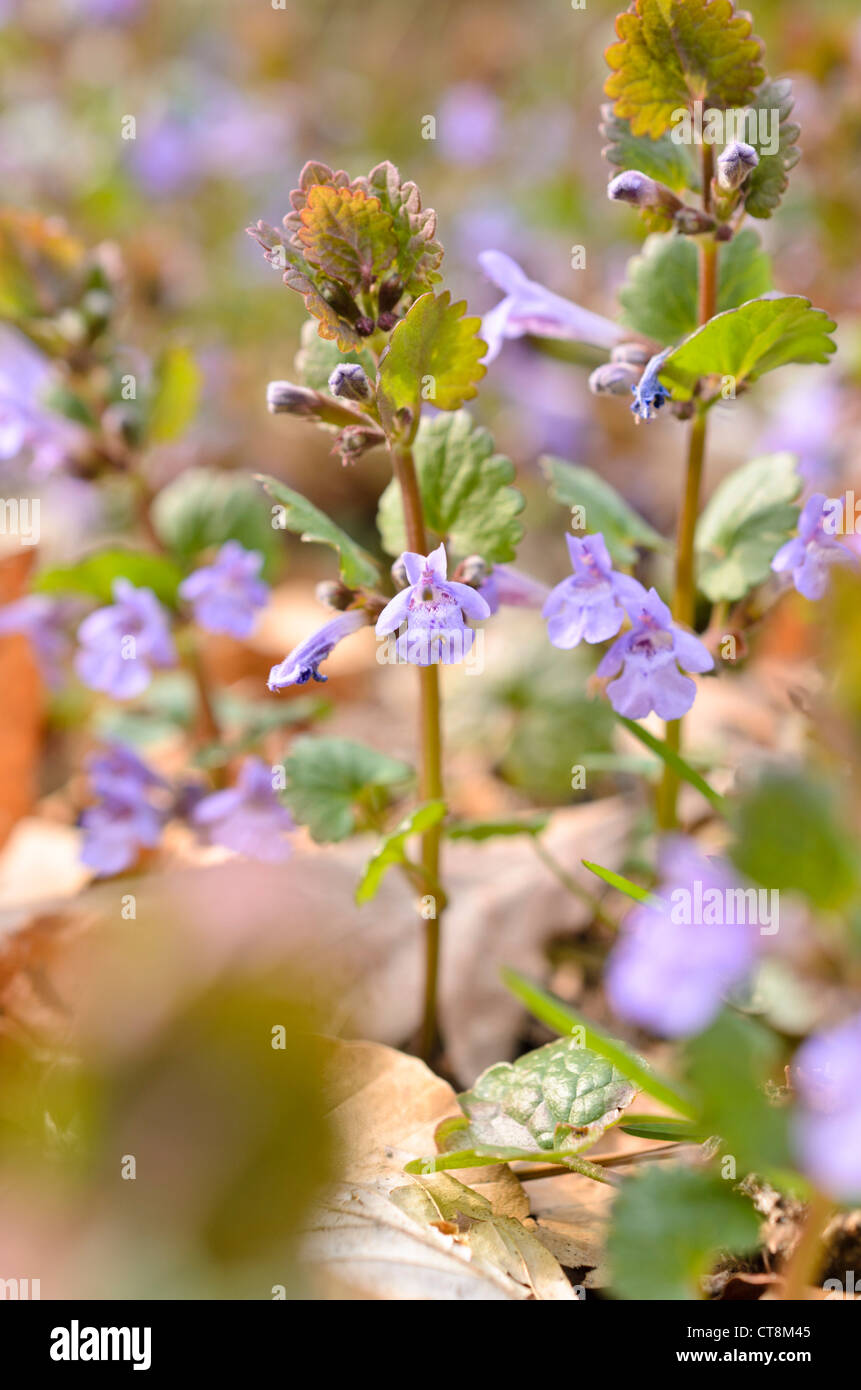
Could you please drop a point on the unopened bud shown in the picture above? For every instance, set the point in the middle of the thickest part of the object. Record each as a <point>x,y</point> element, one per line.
<point>735,164</point>
<point>642,192</point>
<point>614,379</point>
<point>334,594</point>
<point>472,571</point>
<point>350,382</point>
<point>400,578</point>
<point>635,354</point>
<point>390,292</point>
<point>286,398</point>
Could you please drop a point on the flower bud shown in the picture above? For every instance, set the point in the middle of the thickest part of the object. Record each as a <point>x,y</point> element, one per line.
<point>334,594</point>
<point>735,164</point>
<point>400,578</point>
<point>350,382</point>
<point>635,354</point>
<point>642,192</point>
<point>614,379</point>
<point>472,571</point>
<point>285,398</point>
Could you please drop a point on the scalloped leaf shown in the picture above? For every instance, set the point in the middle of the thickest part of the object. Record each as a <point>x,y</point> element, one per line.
<point>560,1095</point>
<point>310,524</point>
<point>434,355</point>
<point>747,342</point>
<point>347,235</point>
<point>331,780</point>
<point>671,53</point>
<point>660,159</point>
<point>659,297</point>
<point>419,254</point>
<point>744,523</point>
<point>769,180</point>
<point>465,489</point>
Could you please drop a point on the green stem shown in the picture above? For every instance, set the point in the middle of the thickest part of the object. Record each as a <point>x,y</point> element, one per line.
<point>430,748</point>
<point>684,595</point>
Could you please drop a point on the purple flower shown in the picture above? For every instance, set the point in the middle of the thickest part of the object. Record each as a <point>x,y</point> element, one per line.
<point>590,604</point>
<point>530,308</point>
<point>432,609</point>
<point>649,394</point>
<point>649,656</point>
<point>675,960</point>
<point>508,586</point>
<point>303,663</point>
<point>225,595</point>
<point>828,1122</point>
<point>44,622</point>
<point>121,643</point>
<point>247,818</point>
<point>810,555</point>
<point>25,424</point>
<point>124,820</point>
<point>469,124</point>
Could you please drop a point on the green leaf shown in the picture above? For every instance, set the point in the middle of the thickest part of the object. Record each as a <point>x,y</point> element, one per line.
<point>768,181</point>
<point>483,1154</point>
<point>660,159</point>
<point>465,489</point>
<point>659,297</point>
<point>331,782</point>
<point>94,575</point>
<point>746,342</point>
<point>434,355</point>
<point>668,1227</point>
<point>489,829</point>
<point>393,848</point>
<point>310,524</point>
<point>561,1096</point>
<point>204,507</point>
<point>619,882</point>
<point>347,234</point>
<point>606,511</point>
<point>746,520</point>
<point>792,835</point>
<point>674,760</point>
<point>664,1127</point>
<point>562,1019</point>
<point>728,1066</point>
<point>318,357</point>
<point>672,53</point>
<point>176,392</point>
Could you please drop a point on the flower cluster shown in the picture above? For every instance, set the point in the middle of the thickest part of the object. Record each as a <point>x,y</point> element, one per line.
<point>809,556</point>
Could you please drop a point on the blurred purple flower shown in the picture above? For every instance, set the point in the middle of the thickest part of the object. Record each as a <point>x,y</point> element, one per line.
<point>303,663</point>
<point>674,961</point>
<point>828,1122</point>
<point>121,643</point>
<point>590,604</point>
<point>510,587</point>
<point>810,555</point>
<point>530,308</point>
<point>220,133</point>
<point>469,124</point>
<point>649,656</point>
<point>124,820</point>
<point>24,423</point>
<point>807,423</point>
<point>226,595</point>
<point>247,818</point>
<point>432,610</point>
<point>44,621</point>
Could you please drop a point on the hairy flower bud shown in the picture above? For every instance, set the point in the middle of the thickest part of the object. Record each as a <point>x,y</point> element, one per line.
<point>286,398</point>
<point>735,164</point>
<point>399,574</point>
<point>350,382</point>
<point>472,571</point>
<point>642,192</point>
<point>335,594</point>
<point>635,354</point>
<point>614,379</point>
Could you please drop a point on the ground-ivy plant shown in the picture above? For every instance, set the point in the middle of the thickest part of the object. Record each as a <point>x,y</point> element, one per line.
<point>700,141</point>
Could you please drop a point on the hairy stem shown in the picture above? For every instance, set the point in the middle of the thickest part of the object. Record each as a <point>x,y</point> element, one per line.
<point>430,747</point>
<point>684,594</point>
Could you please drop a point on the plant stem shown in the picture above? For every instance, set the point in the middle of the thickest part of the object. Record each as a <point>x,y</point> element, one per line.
<point>684,594</point>
<point>430,747</point>
<point>806,1260</point>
